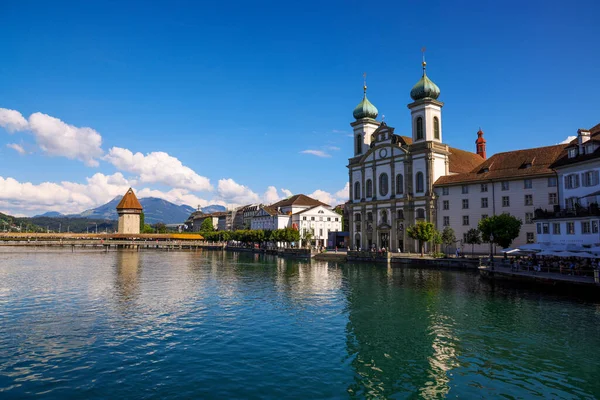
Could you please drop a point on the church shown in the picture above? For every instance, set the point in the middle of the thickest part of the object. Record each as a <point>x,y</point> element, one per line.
<point>396,181</point>
<point>392,177</point>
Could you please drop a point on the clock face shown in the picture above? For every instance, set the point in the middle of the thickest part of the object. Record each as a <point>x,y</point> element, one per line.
<point>382,153</point>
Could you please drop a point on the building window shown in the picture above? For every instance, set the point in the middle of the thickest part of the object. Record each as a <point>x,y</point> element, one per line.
<point>590,178</point>
<point>484,216</point>
<point>320,232</point>
<point>336,219</point>
<point>484,202</point>
<point>357,217</point>
<point>528,199</point>
<point>527,184</point>
<point>357,191</point>
<point>400,214</point>
<point>446,221</point>
<point>530,237</point>
<point>312,218</point>
<point>551,181</point>
<point>445,191</point>
<point>420,185</point>
<point>505,201</point>
<point>328,218</point>
<point>573,153</point>
<point>529,218</point>
<point>505,185</point>
<point>303,218</point>
<point>369,188</point>
<point>585,227</point>
<point>465,204</point>
<point>572,181</point>
<point>369,216</point>
<point>420,213</point>
<point>570,203</point>
<point>465,189</point>
<point>552,199</point>
<point>594,226</point>
<point>539,228</point>
<point>545,228</point>
<point>556,228</point>
<point>436,128</point>
<point>483,187</point>
<point>570,228</point>
<point>399,184</point>
<point>419,128</point>
<point>358,149</point>
<point>383,184</point>
<point>465,220</point>
<point>446,204</point>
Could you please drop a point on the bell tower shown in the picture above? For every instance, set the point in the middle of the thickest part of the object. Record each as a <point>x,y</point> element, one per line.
<point>365,124</point>
<point>426,110</point>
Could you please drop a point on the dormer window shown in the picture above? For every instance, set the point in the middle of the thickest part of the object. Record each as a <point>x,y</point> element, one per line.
<point>589,149</point>
<point>573,152</point>
<point>486,169</point>
<point>527,165</point>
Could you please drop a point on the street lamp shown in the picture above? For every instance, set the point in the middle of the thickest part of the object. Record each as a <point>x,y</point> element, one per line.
<point>492,250</point>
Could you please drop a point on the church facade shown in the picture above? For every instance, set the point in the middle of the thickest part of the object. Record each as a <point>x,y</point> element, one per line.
<point>392,177</point>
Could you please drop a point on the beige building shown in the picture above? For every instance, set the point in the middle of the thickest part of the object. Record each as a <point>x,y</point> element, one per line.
<point>129,210</point>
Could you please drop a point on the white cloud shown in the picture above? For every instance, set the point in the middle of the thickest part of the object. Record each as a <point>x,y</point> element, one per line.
<point>344,194</point>
<point>232,192</point>
<point>318,153</point>
<point>12,120</point>
<point>178,196</point>
<point>158,167</point>
<point>286,193</point>
<point>271,195</point>
<point>568,140</point>
<point>57,138</point>
<point>17,147</point>
<point>334,148</point>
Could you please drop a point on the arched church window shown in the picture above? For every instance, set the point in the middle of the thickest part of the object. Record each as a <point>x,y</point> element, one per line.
<point>420,213</point>
<point>400,214</point>
<point>419,183</point>
<point>357,190</point>
<point>370,216</point>
<point>384,219</point>
<point>419,128</point>
<point>369,188</point>
<point>358,144</point>
<point>399,184</point>
<point>383,184</point>
<point>436,128</point>
<point>357,217</point>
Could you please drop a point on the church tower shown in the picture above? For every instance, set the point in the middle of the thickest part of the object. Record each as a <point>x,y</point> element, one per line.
<point>426,110</point>
<point>365,124</point>
<point>480,143</point>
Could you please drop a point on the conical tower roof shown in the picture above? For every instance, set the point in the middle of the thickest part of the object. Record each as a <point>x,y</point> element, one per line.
<point>129,201</point>
<point>425,88</point>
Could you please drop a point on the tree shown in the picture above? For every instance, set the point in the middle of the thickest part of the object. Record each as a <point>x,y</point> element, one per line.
<point>448,238</point>
<point>473,237</point>
<point>307,237</point>
<point>504,228</point>
<point>160,227</point>
<point>423,232</point>
<point>142,222</point>
<point>207,225</point>
<point>437,239</point>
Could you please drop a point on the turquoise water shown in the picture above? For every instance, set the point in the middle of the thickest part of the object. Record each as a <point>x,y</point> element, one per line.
<point>219,325</point>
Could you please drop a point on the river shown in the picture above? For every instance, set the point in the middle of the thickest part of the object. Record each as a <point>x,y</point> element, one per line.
<point>216,325</point>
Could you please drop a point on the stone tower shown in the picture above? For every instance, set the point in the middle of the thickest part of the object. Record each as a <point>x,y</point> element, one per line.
<point>129,210</point>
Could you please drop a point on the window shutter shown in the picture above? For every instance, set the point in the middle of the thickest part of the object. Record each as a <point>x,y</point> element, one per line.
<point>566,179</point>
<point>576,181</point>
<point>595,178</point>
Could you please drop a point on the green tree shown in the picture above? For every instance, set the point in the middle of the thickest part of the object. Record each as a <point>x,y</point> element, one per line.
<point>504,228</point>
<point>423,232</point>
<point>142,222</point>
<point>307,237</point>
<point>160,227</point>
<point>473,237</point>
<point>448,238</point>
<point>437,239</point>
<point>207,225</point>
<point>147,229</point>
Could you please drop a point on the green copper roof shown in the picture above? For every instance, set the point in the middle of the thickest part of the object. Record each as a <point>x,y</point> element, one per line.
<point>365,109</point>
<point>425,88</point>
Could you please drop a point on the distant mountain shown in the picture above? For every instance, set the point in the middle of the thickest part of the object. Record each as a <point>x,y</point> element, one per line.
<point>50,214</point>
<point>212,208</point>
<point>155,210</point>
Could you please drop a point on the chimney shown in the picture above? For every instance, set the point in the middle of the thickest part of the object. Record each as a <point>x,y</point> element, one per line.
<point>480,144</point>
<point>583,135</point>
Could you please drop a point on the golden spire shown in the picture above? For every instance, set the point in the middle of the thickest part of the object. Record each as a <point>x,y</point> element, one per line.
<point>365,82</point>
<point>424,63</point>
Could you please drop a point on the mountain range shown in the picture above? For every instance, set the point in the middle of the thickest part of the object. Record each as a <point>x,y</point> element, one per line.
<point>155,210</point>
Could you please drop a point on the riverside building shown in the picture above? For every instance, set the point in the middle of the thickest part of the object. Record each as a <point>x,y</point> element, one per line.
<point>396,181</point>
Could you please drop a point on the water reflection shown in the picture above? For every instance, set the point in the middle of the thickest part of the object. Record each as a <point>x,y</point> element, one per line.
<point>127,275</point>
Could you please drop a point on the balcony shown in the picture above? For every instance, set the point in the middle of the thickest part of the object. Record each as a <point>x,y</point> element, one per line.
<point>560,212</point>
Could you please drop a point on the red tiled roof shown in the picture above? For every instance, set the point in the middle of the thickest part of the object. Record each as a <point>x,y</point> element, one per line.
<point>459,160</point>
<point>129,201</point>
<point>509,165</point>
<point>298,200</point>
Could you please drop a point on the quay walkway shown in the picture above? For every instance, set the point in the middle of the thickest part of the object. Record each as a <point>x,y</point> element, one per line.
<point>502,271</point>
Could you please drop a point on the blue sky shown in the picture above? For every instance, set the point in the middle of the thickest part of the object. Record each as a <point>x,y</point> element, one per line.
<point>221,100</point>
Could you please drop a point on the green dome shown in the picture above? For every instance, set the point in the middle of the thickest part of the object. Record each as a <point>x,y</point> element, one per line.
<point>425,88</point>
<point>365,109</point>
